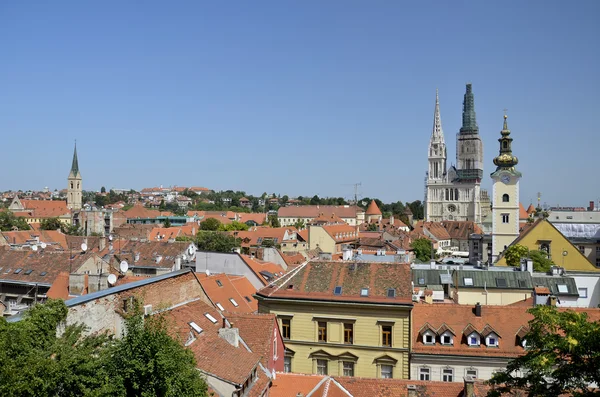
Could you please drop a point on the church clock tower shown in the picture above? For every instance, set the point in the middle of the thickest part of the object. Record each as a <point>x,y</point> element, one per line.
<point>74,189</point>
<point>505,199</point>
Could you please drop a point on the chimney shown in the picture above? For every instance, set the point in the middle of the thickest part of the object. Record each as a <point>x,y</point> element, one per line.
<point>478,310</point>
<point>469,386</point>
<point>231,335</point>
<point>412,390</point>
<point>591,208</point>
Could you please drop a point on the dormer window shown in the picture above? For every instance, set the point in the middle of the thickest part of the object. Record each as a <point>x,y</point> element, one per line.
<point>429,339</point>
<point>446,338</point>
<point>491,340</point>
<point>473,339</point>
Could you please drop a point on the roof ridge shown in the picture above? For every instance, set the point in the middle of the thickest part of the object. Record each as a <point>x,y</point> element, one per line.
<point>291,275</point>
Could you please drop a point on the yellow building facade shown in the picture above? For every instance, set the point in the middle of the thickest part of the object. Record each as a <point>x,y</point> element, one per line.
<point>543,236</point>
<point>344,319</point>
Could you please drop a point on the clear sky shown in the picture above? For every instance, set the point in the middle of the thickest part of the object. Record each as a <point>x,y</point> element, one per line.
<point>295,97</point>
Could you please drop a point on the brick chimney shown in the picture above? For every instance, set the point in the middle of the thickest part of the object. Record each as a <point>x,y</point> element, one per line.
<point>591,207</point>
<point>478,309</point>
<point>469,386</point>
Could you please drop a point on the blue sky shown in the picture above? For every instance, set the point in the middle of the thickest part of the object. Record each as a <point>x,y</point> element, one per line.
<point>296,97</point>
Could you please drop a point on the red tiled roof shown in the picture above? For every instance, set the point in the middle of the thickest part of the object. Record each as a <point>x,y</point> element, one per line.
<point>292,259</point>
<point>341,233</point>
<point>317,280</point>
<point>258,266</point>
<point>132,230</point>
<point>149,251</point>
<point>542,291</point>
<point>139,211</point>
<point>373,209</point>
<point>228,289</point>
<point>522,212</point>
<point>312,211</point>
<point>530,209</point>
<point>289,385</point>
<point>46,236</point>
<point>258,218</point>
<point>46,208</point>
<point>166,233</point>
<point>213,354</point>
<point>460,230</point>
<point>257,331</point>
<point>434,228</point>
<point>250,237</point>
<point>399,387</point>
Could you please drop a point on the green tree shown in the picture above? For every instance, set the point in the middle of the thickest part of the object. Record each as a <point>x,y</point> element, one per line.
<point>8,222</point>
<point>299,224</point>
<point>216,241</point>
<point>422,249</point>
<point>416,208</point>
<point>562,356</point>
<point>72,230</point>
<point>541,262</point>
<point>167,223</point>
<point>51,224</point>
<point>102,189</point>
<point>372,227</point>
<point>146,361</point>
<point>211,224</point>
<point>268,243</point>
<point>514,253</point>
<point>233,226</point>
<point>315,200</point>
<point>274,221</point>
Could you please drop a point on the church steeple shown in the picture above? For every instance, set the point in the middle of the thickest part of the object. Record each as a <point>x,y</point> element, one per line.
<point>75,164</point>
<point>437,133</point>
<point>505,160</point>
<point>469,121</point>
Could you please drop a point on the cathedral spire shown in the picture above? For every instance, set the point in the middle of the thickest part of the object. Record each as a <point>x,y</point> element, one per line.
<point>437,133</point>
<point>75,164</point>
<point>469,122</point>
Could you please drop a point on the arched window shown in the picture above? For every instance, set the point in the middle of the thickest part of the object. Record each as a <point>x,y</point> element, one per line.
<point>456,194</point>
<point>447,195</point>
<point>505,198</point>
<point>504,144</point>
<point>451,195</point>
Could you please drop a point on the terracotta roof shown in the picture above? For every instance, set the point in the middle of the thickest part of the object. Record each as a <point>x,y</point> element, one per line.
<point>522,212</point>
<point>341,233</point>
<point>331,219</point>
<point>542,291</point>
<point>60,287</point>
<point>132,230</point>
<point>289,385</point>
<point>41,267</point>
<point>149,252</point>
<point>165,233</point>
<point>505,321</point>
<point>312,211</point>
<point>251,237</point>
<point>258,218</point>
<point>530,209</point>
<point>292,259</point>
<point>220,288</point>
<point>317,280</point>
<point>46,208</point>
<point>51,237</point>
<point>257,331</point>
<point>139,211</point>
<point>460,230</point>
<point>373,209</point>
<point>213,354</point>
<point>434,228</point>
<point>258,266</point>
<point>303,234</point>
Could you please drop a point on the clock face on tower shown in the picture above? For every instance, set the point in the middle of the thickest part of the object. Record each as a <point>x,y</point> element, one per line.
<point>505,178</point>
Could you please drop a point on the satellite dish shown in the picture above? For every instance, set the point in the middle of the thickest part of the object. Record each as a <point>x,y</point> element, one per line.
<point>191,250</point>
<point>112,279</point>
<point>84,247</point>
<point>124,266</point>
<point>184,257</point>
<point>43,245</point>
<point>34,248</point>
<point>207,272</point>
<point>110,237</point>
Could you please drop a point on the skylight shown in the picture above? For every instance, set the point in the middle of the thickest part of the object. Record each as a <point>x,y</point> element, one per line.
<point>500,282</point>
<point>364,292</point>
<point>468,280</point>
<point>233,302</point>
<point>562,288</point>
<point>196,327</point>
<point>43,274</point>
<point>219,283</point>
<point>28,272</point>
<point>211,318</point>
<point>247,299</point>
<point>19,270</point>
<point>391,293</point>
<point>337,290</point>
<point>221,308</point>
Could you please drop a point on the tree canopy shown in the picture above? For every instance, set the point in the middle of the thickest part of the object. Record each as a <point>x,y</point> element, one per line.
<point>562,356</point>
<point>35,361</point>
<point>8,222</point>
<point>216,241</point>
<point>211,224</point>
<point>514,254</point>
<point>422,249</point>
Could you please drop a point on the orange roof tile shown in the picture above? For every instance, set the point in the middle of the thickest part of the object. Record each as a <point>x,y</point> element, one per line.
<point>220,288</point>
<point>312,211</point>
<point>166,233</point>
<point>258,218</point>
<point>258,266</point>
<point>257,331</point>
<point>542,290</point>
<point>522,212</point>
<point>317,280</point>
<point>530,209</point>
<point>46,208</point>
<point>289,385</point>
<point>373,209</point>
<point>251,237</point>
<point>341,232</point>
